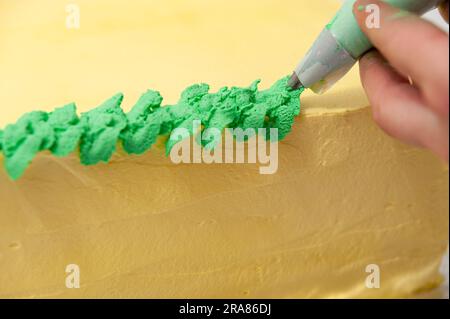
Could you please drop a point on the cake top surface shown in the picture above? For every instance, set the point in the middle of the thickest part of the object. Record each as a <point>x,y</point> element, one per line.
<point>165,45</point>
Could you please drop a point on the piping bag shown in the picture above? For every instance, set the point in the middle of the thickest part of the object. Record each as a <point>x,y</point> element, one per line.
<point>339,46</point>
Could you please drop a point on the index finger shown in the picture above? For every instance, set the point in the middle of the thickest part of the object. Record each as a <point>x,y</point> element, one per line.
<point>414,47</point>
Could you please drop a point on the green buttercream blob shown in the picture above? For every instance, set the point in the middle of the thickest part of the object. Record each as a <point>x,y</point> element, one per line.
<point>67,129</point>
<point>102,129</point>
<point>98,131</point>
<point>1,140</point>
<point>144,124</point>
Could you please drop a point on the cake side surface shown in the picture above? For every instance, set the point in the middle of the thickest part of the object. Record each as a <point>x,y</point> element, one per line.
<point>145,227</point>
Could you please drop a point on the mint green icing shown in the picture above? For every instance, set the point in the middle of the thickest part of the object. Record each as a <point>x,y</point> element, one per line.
<point>97,132</point>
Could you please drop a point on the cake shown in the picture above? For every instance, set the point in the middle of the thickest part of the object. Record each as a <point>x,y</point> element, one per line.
<point>346,199</point>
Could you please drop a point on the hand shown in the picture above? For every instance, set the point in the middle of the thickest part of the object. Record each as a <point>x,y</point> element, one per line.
<point>407,77</point>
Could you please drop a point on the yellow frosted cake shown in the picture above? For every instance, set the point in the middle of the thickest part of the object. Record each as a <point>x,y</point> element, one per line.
<point>349,213</point>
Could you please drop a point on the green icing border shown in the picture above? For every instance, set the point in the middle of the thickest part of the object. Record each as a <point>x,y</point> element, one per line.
<point>97,132</point>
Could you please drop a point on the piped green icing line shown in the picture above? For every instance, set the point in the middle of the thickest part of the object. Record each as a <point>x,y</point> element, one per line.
<point>97,132</point>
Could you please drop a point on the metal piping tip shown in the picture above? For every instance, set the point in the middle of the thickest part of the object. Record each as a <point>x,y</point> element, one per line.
<point>294,82</point>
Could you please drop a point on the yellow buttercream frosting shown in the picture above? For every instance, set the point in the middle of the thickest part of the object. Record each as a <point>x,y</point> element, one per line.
<point>345,196</point>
